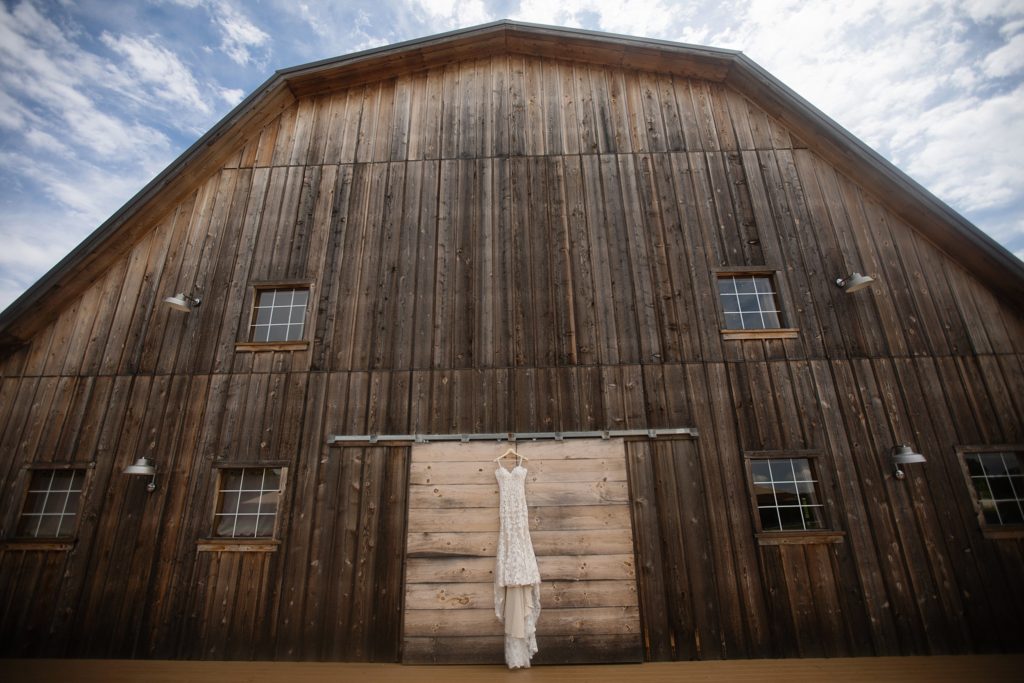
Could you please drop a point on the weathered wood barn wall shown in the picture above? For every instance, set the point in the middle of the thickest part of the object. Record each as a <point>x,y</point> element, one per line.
<point>512,242</point>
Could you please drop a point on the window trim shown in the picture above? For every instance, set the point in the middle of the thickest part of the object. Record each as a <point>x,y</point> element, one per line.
<point>213,543</point>
<point>15,541</point>
<point>781,297</point>
<point>992,531</point>
<point>829,534</point>
<point>255,287</point>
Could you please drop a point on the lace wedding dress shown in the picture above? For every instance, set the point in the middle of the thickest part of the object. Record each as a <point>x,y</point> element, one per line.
<point>516,576</point>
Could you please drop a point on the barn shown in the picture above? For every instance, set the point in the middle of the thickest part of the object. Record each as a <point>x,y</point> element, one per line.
<point>770,389</point>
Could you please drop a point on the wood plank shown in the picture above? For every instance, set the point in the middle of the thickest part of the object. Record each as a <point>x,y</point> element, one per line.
<point>553,595</point>
<point>658,643</point>
<point>547,470</point>
<point>537,451</point>
<point>481,495</point>
<point>305,121</point>
<point>485,544</point>
<point>335,126</point>
<point>218,331</point>
<point>542,518</point>
<point>585,115</point>
<point>386,632</point>
<point>637,240</point>
<point>627,301</point>
<point>465,273</point>
<point>634,108</point>
<point>553,567</point>
<point>569,136</point>
<point>482,622</point>
<point>285,136</point>
<point>372,109</point>
<point>620,136</point>
<point>386,127</point>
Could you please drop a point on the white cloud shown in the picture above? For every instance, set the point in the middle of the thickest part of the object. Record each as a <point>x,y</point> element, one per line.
<point>980,10</point>
<point>949,137</point>
<point>161,68</point>
<point>652,18</point>
<point>1007,60</point>
<point>1011,28</point>
<point>38,65</point>
<point>239,34</point>
<point>43,140</point>
<point>90,193</point>
<point>13,115</point>
<point>232,95</point>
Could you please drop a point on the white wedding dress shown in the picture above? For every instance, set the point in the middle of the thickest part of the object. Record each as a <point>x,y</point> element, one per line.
<point>516,576</point>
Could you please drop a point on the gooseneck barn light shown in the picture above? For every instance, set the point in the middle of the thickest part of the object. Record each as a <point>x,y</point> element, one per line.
<point>143,467</point>
<point>182,302</point>
<point>904,455</point>
<point>854,282</point>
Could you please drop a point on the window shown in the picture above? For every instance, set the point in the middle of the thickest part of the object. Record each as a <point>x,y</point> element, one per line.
<point>749,302</point>
<point>247,502</point>
<point>279,314</point>
<point>997,482</point>
<point>51,504</point>
<point>788,500</point>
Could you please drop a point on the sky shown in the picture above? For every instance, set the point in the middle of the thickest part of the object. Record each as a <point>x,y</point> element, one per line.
<point>98,96</point>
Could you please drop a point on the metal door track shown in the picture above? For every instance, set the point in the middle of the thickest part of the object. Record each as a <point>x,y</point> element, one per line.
<point>513,437</point>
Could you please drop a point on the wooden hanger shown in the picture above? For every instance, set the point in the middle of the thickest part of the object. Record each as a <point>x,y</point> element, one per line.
<point>512,451</point>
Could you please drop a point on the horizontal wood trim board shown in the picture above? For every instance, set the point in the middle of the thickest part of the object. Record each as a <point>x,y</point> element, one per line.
<point>542,518</point>
<point>549,471</point>
<point>484,544</point>
<point>574,649</point>
<point>552,568</point>
<point>484,453</point>
<point>479,495</point>
<point>557,622</point>
<point>553,595</point>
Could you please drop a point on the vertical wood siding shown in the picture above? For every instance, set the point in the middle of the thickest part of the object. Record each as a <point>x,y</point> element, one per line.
<point>510,243</point>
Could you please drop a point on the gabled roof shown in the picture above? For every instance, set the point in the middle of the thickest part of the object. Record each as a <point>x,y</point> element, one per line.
<point>979,253</point>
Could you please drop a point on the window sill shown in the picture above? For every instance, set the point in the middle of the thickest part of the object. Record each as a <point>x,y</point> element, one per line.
<point>272,346</point>
<point>38,544</point>
<point>238,545</point>
<point>776,333</point>
<point>799,537</point>
<point>1003,532</point>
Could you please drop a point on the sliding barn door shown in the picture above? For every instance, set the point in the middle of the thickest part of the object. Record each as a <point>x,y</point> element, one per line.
<point>580,524</point>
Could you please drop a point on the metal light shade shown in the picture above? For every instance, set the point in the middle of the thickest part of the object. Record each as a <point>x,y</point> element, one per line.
<point>854,282</point>
<point>905,455</point>
<point>142,466</point>
<point>181,302</point>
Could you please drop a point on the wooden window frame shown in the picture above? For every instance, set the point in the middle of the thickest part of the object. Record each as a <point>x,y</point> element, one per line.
<point>796,537</point>
<point>781,298</point>
<point>66,542</point>
<point>265,544</point>
<point>252,294</point>
<point>988,530</point>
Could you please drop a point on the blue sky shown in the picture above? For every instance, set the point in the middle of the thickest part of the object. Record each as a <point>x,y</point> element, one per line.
<point>98,96</point>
